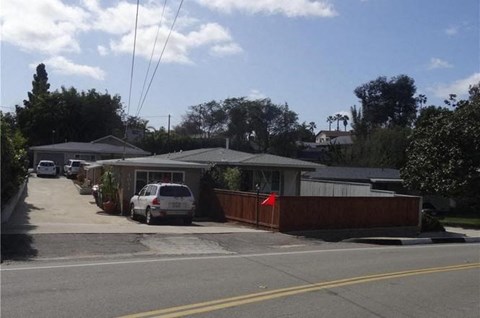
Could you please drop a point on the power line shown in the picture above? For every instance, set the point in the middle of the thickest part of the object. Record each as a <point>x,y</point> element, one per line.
<point>160,58</point>
<point>131,79</point>
<point>151,56</point>
<point>133,59</point>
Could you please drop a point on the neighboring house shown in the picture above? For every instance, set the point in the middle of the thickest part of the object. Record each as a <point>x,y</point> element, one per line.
<point>318,151</point>
<point>378,178</point>
<point>108,147</point>
<point>271,173</point>
<point>133,174</point>
<point>325,136</point>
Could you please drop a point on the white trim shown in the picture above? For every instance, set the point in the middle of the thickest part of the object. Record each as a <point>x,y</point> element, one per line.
<point>156,171</point>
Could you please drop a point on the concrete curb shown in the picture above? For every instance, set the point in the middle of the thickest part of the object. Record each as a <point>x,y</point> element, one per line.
<point>413,241</point>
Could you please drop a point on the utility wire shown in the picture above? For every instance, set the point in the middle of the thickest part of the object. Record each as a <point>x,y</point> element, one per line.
<point>151,56</point>
<point>133,60</point>
<point>131,81</point>
<point>160,58</point>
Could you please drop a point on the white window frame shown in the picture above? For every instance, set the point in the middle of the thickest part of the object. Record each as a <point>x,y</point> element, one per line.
<point>156,171</point>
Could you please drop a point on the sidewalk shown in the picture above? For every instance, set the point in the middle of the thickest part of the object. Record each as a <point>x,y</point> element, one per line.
<point>451,235</point>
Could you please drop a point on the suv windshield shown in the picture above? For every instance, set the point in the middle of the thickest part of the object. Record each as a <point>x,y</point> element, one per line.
<point>174,191</point>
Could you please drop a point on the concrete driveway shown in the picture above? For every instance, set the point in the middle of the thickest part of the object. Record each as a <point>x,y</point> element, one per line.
<point>53,205</point>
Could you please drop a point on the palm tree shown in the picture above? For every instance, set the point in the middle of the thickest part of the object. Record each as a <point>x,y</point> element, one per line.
<point>330,120</point>
<point>338,117</point>
<point>345,121</point>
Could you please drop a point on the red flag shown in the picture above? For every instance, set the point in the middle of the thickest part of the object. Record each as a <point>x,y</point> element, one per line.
<point>270,201</point>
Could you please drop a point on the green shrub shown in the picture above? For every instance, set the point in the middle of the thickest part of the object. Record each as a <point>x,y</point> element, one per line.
<point>13,156</point>
<point>233,178</point>
<point>431,224</point>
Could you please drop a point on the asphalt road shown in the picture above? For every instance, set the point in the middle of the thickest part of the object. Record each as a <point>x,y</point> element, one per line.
<point>314,281</point>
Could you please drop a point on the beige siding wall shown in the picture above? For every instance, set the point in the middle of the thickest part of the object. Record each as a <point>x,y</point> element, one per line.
<point>291,182</point>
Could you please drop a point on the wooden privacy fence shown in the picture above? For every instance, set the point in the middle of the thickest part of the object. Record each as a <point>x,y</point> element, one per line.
<point>295,213</point>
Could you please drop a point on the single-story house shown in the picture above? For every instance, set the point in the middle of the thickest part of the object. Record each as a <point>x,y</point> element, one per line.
<point>271,173</point>
<point>108,147</point>
<point>132,174</point>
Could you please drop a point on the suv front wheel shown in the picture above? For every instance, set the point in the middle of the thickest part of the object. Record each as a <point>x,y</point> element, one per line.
<point>148,217</point>
<point>132,212</point>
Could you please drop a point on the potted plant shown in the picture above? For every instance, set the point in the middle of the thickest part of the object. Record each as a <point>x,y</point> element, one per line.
<point>109,188</point>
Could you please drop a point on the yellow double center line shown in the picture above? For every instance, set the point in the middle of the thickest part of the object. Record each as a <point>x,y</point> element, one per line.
<point>213,305</point>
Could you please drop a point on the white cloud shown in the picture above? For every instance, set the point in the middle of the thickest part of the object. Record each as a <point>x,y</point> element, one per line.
<point>436,63</point>
<point>256,94</point>
<point>226,49</point>
<point>61,65</point>
<point>120,19</point>
<point>289,8</point>
<point>459,87</point>
<point>56,27</point>
<point>179,45</point>
<point>103,51</point>
<point>451,31</point>
<point>47,26</point>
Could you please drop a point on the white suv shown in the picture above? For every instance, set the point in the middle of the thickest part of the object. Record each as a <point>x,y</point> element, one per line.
<point>72,167</point>
<point>163,200</point>
<point>47,168</point>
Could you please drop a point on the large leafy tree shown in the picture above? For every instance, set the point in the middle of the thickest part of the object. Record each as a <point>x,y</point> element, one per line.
<point>67,114</point>
<point>251,125</point>
<point>385,104</point>
<point>382,124</point>
<point>444,150</point>
<point>207,119</point>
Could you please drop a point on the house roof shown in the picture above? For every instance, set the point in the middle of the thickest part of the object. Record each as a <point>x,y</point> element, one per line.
<point>333,133</point>
<point>112,140</point>
<point>152,161</point>
<point>355,173</point>
<point>90,147</point>
<point>222,156</point>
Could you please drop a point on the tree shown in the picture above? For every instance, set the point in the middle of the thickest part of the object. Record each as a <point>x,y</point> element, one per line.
<point>385,103</point>
<point>13,159</point>
<point>40,86</point>
<point>345,121</point>
<point>67,114</point>
<point>382,148</point>
<point>330,120</point>
<point>444,150</point>
<point>31,118</point>
<point>208,119</point>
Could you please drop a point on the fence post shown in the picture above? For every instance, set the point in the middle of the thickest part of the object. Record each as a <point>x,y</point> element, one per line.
<point>257,186</point>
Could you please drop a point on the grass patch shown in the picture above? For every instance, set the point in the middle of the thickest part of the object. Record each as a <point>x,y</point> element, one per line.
<point>472,222</point>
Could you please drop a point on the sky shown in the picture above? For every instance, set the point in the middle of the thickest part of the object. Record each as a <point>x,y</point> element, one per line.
<point>310,54</point>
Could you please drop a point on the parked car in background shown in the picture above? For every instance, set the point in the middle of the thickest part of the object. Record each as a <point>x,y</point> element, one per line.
<point>46,168</point>
<point>165,201</point>
<point>429,209</point>
<point>71,168</point>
